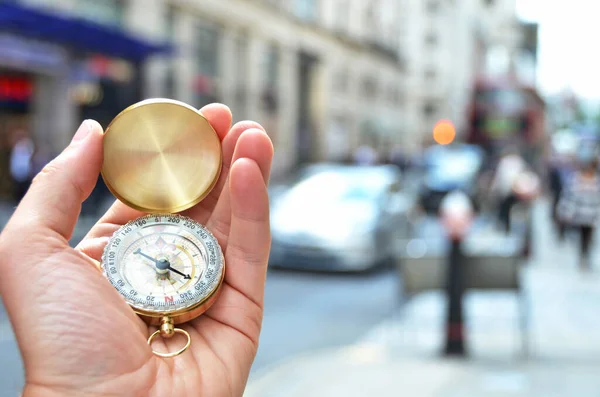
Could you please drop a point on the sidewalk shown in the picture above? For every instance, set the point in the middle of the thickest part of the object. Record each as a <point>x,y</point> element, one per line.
<point>402,356</point>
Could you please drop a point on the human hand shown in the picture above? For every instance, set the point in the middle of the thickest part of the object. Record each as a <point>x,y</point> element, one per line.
<point>77,335</point>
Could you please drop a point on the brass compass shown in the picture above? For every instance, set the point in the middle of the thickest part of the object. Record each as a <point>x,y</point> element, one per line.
<point>162,157</point>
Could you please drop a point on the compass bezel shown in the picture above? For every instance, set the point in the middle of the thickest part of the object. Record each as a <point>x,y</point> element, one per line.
<point>116,245</point>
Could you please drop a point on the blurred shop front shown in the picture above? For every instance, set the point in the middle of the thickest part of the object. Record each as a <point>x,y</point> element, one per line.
<point>57,69</point>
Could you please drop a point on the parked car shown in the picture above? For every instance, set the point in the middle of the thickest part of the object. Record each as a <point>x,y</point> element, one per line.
<point>338,217</point>
<point>450,168</point>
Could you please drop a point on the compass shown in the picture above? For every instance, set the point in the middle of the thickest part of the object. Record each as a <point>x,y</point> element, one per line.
<point>163,157</point>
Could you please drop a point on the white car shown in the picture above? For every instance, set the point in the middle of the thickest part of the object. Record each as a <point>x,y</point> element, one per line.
<point>337,217</point>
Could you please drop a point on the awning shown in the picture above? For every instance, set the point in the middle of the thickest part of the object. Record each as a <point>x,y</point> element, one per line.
<point>76,33</point>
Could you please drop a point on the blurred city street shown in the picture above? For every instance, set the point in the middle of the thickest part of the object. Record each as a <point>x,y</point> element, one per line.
<point>304,312</point>
<point>403,353</point>
<point>328,334</point>
<point>435,174</point>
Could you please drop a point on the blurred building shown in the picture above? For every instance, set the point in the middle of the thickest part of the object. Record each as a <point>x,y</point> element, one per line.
<point>321,76</point>
<point>62,61</point>
<point>448,44</point>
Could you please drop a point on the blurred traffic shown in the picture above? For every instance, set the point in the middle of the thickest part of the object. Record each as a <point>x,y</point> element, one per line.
<point>339,217</point>
<point>423,176</point>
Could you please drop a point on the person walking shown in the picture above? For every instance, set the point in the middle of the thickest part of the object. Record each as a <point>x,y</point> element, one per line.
<point>510,167</point>
<point>579,205</point>
<point>20,163</point>
<point>559,171</point>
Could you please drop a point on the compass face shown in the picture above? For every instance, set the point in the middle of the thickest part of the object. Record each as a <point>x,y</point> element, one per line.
<point>164,263</point>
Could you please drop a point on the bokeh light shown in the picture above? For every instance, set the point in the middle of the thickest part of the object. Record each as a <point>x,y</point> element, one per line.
<point>444,132</point>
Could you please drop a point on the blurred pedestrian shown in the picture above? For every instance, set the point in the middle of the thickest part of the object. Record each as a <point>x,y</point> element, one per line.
<point>365,155</point>
<point>41,156</point>
<point>399,157</point>
<point>559,171</point>
<point>21,163</point>
<point>579,205</point>
<point>510,167</point>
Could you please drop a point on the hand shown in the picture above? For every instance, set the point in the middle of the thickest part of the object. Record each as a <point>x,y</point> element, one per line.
<point>77,335</point>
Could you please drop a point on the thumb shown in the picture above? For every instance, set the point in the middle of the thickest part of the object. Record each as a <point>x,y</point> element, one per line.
<point>54,199</point>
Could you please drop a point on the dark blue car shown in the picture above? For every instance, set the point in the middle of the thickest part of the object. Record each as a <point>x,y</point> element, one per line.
<point>450,168</point>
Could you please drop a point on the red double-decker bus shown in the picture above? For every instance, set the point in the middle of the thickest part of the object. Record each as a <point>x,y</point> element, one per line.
<point>506,112</point>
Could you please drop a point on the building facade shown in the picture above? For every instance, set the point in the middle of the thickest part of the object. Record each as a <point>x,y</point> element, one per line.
<point>322,76</point>
<point>60,62</point>
<point>447,44</point>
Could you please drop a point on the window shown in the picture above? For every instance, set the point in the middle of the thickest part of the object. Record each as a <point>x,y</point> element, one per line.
<point>431,39</point>
<point>433,6</point>
<point>341,16</point>
<point>369,87</point>
<point>273,3</point>
<point>170,22</point>
<point>106,12</point>
<point>207,49</point>
<point>394,95</point>
<point>272,66</point>
<point>306,10</point>
<point>241,56</point>
<point>207,62</point>
<point>430,74</point>
<point>341,80</point>
<point>170,73</point>
<point>429,109</point>
<point>270,94</point>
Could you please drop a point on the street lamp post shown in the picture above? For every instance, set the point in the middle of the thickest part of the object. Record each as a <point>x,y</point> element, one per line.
<point>456,215</point>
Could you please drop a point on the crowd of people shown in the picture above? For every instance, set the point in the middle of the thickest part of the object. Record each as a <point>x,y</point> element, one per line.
<point>573,185</point>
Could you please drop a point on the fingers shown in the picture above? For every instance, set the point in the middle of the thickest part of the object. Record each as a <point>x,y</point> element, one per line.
<point>54,199</point>
<point>203,210</point>
<point>219,117</point>
<point>253,144</point>
<point>256,145</point>
<point>94,247</point>
<point>249,242</point>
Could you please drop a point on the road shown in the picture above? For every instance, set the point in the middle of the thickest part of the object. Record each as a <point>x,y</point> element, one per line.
<point>563,338</point>
<point>305,312</point>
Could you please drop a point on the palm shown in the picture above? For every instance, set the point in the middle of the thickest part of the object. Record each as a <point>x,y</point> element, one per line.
<point>82,336</point>
<point>225,339</point>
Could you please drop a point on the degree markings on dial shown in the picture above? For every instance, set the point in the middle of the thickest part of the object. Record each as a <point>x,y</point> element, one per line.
<point>174,289</point>
<point>183,241</point>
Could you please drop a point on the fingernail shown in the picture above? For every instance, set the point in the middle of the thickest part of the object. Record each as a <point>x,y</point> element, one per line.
<point>83,131</point>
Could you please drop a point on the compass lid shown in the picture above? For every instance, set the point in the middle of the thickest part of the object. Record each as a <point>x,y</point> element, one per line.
<point>161,156</point>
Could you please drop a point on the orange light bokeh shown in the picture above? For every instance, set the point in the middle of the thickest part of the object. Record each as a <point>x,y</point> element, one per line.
<point>444,132</point>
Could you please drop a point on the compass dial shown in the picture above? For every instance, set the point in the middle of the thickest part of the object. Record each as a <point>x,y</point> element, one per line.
<point>164,263</point>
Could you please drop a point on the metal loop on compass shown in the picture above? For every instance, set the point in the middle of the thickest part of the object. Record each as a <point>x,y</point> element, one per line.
<point>173,354</point>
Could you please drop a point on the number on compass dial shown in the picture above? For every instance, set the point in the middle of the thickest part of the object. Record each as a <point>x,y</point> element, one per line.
<point>163,263</point>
